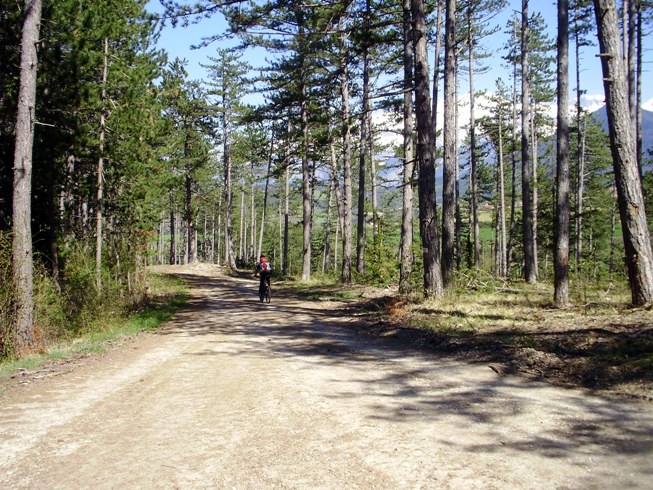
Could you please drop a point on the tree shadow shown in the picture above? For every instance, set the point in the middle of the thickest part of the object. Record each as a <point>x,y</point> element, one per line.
<point>399,382</point>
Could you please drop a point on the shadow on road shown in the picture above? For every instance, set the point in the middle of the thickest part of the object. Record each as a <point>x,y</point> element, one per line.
<point>431,389</point>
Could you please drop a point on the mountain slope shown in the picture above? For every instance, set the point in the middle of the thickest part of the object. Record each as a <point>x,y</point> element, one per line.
<point>647,127</point>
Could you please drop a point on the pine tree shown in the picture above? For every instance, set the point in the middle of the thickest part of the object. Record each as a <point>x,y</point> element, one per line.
<point>637,242</point>
<point>24,338</point>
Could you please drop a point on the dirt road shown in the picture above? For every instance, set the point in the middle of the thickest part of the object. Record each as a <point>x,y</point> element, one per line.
<point>235,394</point>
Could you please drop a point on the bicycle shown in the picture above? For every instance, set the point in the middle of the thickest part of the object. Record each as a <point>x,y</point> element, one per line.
<point>265,295</point>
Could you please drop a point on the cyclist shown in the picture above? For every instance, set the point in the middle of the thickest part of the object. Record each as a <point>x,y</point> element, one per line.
<point>264,271</point>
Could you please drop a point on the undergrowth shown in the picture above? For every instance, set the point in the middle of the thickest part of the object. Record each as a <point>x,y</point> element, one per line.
<point>163,296</point>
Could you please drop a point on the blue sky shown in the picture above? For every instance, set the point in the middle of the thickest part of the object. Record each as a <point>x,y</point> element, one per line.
<point>177,43</point>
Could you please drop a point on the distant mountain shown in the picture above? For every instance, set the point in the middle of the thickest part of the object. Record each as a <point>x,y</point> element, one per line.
<point>647,127</point>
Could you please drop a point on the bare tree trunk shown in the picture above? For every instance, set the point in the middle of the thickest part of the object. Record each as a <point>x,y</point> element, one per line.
<point>472,138</point>
<point>252,213</point>
<point>637,242</point>
<point>100,173</point>
<point>448,197</point>
<point>23,267</point>
<point>428,225</point>
<point>456,172</point>
<point>172,255</point>
<point>527,210</point>
<point>338,197</point>
<point>436,73</point>
<point>360,233</point>
<point>306,191</point>
<point>638,90</point>
<point>406,246</point>
<point>229,255</point>
<point>513,190</point>
<point>243,229</point>
<point>503,269</point>
<point>535,193</point>
<point>191,248</point>
<point>286,215</point>
<point>265,197</point>
<point>580,161</point>
<point>632,70</point>
<point>346,163</point>
<point>613,227</point>
<point>561,257</point>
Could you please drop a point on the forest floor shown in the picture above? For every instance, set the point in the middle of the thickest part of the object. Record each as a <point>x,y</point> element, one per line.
<point>312,391</point>
<point>604,346</point>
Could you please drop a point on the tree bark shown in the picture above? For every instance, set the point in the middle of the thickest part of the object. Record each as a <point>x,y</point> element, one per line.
<point>286,213</point>
<point>428,225</point>
<point>561,257</point>
<point>335,172</point>
<point>346,163</point>
<point>527,210</point>
<point>265,197</point>
<point>360,232</point>
<point>23,267</point>
<point>100,172</point>
<point>448,198</point>
<point>637,242</point>
<point>229,255</point>
<point>503,263</point>
<point>513,186</point>
<point>406,246</point>
<point>472,144</point>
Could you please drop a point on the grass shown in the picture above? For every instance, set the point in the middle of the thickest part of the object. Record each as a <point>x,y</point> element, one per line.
<point>323,290</point>
<point>168,294</point>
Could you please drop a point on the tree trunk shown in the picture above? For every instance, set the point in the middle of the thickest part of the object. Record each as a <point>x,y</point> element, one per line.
<point>252,213</point>
<point>100,173</point>
<point>286,213</point>
<point>172,255</point>
<point>306,191</point>
<point>456,174</point>
<point>448,198</point>
<point>191,252</point>
<point>535,198</point>
<point>428,225</point>
<point>243,229</point>
<point>229,255</point>
<point>337,194</point>
<point>527,210</point>
<point>326,249</point>
<point>265,197</point>
<point>561,257</point>
<point>23,267</point>
<point>472,144</point>
<point>406,246</point>
<point>638,94</point>
<point>360,232</point>
<point>513,186</point>
<point>637,242</point>
<point>346,163</point>
<point>632,71</point>
<point>503,269</point>
<point>436,76</point>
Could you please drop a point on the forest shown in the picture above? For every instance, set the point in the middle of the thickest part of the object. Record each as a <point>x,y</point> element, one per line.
<point>113,159</point>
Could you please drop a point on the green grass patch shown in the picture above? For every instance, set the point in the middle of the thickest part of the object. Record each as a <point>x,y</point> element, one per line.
<point>323,290</point>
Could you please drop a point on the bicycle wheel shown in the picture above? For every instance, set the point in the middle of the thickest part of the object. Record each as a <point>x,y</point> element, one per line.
<point>261,296</point>
<point>267,294</point>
